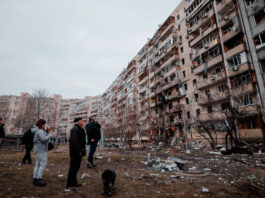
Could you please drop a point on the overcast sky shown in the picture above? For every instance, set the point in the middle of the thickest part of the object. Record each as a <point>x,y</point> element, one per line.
<point>75,48</point>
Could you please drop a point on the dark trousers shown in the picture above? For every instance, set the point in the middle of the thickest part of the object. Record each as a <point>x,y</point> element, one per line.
<point>92,150</point>
<point>27,155</point>
<point>74,167</point>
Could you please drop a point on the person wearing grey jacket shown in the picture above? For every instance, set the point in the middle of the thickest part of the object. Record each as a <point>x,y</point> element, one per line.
<point>41,140</point>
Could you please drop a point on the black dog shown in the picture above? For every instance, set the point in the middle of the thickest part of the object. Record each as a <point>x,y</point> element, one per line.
<point>108,178</point>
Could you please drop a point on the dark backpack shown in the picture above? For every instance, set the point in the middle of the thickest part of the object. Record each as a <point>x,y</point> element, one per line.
<point>27,138</point>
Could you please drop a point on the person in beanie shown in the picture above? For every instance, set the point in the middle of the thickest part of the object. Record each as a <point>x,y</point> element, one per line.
<point>93,136</point>
<point>41,140</point>
<point>77,147</point>
<point>2,131</point>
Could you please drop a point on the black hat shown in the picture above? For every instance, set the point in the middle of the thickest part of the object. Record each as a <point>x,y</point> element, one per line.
<point>77,119</point>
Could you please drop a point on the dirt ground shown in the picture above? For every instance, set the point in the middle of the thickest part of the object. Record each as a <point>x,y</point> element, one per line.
<point>225,176</point>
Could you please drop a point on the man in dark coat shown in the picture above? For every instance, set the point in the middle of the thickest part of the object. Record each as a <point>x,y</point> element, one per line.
<point>2,131</point>
<point>27,142</point>
<point>77,144</point>
<point>93,136</point>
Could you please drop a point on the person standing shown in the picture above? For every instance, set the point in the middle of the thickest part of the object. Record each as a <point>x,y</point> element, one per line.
<point>2,131</point>
<point>41,140</point>
<point>77,147</point>
<point>93,136</point>
<point>27,143</point>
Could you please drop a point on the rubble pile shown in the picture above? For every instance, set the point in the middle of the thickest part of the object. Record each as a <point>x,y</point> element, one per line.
<point>171,164</point>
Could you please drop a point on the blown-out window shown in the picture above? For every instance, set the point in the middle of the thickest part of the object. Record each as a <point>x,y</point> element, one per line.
<point>250,2</point>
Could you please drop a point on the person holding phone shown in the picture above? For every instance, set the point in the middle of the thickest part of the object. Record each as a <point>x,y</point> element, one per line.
<point>41,140</point>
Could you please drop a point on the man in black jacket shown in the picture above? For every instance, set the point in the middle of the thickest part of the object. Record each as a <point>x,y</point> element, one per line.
<point>27,142</point>
<point>2,131</point>
<point>93,136</point>
<point>77,144</point>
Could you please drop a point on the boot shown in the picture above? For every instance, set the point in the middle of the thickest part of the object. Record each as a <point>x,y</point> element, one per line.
<point>40,182</point>
<point>34,181</point>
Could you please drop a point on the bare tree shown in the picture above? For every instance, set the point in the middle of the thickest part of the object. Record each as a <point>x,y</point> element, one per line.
<point>226,119</point>
<point>208,131</point>
<point>37,106</point>
<point>42,101</point>
<point>129,126</point>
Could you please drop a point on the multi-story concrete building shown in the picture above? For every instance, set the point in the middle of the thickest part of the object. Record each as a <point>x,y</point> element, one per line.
<point>207,54</point>
<point>222,63</point>
<point>19,111</point>
<point>59,113</point>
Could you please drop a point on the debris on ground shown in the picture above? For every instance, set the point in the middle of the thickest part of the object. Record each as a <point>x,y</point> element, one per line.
<point>171,164</point>
<point>205,190</point>
<point>84,176</point>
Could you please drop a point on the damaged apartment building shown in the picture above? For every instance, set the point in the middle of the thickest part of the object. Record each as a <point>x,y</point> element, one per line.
<point>207,54</point>
<point>227,60</point>
<point>119,105</point>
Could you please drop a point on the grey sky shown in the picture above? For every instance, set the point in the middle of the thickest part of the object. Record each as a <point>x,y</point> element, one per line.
<point>72,47</point>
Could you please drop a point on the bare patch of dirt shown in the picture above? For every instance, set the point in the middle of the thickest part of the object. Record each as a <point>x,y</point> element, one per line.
<point>227,177</point>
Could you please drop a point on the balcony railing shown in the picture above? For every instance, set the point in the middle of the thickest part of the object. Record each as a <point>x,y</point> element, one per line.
<point>206,47</point>
<point>245,88</point>
<point>223,4</point>
<point>205,33</point>
<point>206,17</point>
<point>234,70</point>
<point>213,98</point>
<point>231,34</point>
<point>211,81</point>
<point>236,50</point>
<point>227,18</point>
<point>216,60</point>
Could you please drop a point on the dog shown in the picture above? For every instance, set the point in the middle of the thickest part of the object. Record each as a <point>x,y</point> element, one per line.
<point>108,178</point>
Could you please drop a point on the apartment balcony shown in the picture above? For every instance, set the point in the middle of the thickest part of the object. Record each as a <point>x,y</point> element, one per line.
<point>167,32</point>
<point>167,62</point>
<point>216,60</point>
<point>152,84</point>
<point>211,81</point>
<point>228,18</point>
<point>169,85</point>
<point>188,4</point>
<point>223,5</point>
<point>231,34</point>
<point>202,21</point>
<point>174,96</point>
<point>207,47</point>
<point>213,98</point>
<point>211,116</point>
<point>159,89</point>
<point>235,70</point>
<point>171,71</point>
<point>245,88</point>
<point>205,33</point>
<point>236,50</point>
<point>166,52</point>
<point>151,74</point>
<point>198,7</point>
<point>179,108</point>
<point>250,109</point>
<point>142,99</point>
<point>143,81</point>
<point>166,25</point>
<point>152,94</point>
<point>152,104</point>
